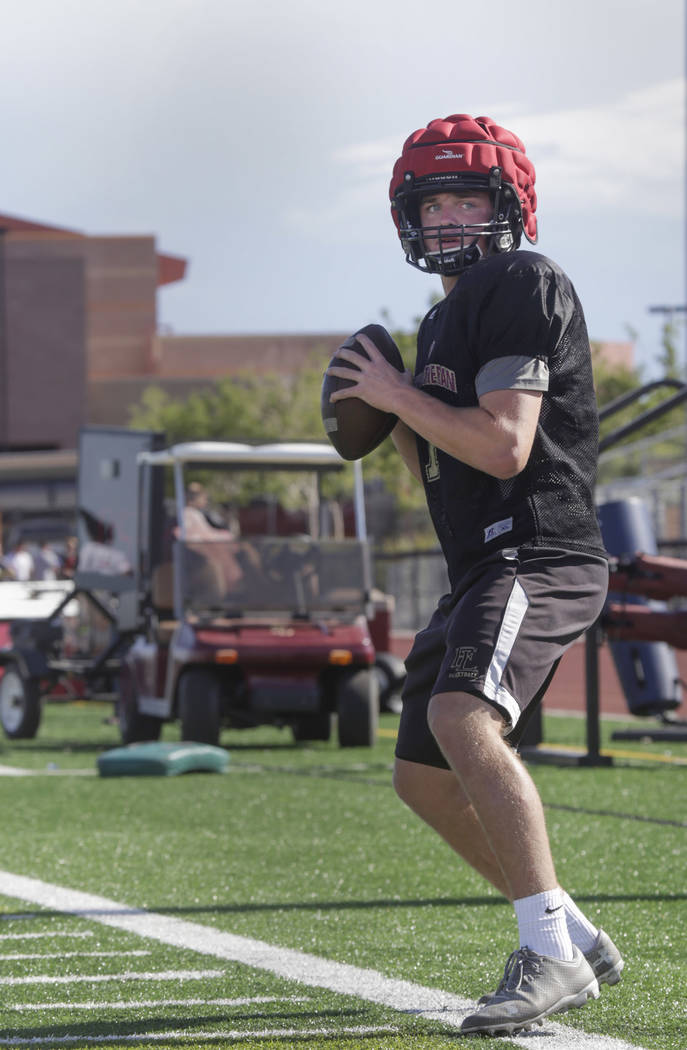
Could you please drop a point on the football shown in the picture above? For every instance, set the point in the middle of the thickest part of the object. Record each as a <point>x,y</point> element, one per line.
<point>354,427</point>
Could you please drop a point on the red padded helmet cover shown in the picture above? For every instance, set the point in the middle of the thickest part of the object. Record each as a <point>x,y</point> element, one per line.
<point>461,143</point>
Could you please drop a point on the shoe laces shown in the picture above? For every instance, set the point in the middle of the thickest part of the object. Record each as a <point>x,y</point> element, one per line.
<point>522,965</point>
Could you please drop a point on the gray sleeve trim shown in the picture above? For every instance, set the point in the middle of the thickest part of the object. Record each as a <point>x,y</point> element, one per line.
<point>518,372</point>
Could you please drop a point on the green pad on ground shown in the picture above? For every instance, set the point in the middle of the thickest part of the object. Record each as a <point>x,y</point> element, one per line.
<point>162,760</point>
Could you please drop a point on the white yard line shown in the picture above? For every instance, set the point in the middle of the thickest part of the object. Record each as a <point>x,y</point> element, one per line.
<point>150,1004</point>
<point>52,934</point>
<point>183,1037</point>
<point>21,771</point>
<point>100,978</point>
<point>404,996</point>
<point>134,953</point>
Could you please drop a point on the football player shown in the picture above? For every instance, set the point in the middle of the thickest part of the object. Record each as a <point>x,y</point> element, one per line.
<point>499,423</point>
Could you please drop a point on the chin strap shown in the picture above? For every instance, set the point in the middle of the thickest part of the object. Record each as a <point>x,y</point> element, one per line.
<point>453,262</point>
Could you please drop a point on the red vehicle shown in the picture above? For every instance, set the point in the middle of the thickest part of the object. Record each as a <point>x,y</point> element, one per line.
<point>257,629</point>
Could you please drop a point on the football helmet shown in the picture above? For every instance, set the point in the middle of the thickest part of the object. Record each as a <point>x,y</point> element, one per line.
<point>455,154</point>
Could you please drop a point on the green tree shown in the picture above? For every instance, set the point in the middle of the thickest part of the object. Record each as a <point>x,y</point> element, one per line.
<point>242,408</point>
<point>612,382</point>
<point>266,408</point>
<point>245,408</point>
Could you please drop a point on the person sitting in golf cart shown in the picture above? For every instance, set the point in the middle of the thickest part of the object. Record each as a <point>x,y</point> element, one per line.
<point>213,543</point>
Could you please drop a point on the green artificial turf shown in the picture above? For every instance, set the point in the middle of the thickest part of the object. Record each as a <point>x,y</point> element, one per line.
<point>307,847</point>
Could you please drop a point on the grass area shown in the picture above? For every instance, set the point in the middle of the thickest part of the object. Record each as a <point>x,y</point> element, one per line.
<point>308,848</point>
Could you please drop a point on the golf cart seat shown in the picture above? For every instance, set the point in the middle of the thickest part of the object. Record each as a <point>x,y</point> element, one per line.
<point>162,596</point>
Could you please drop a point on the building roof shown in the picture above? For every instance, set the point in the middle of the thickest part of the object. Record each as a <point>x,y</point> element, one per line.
<point>170,268</point>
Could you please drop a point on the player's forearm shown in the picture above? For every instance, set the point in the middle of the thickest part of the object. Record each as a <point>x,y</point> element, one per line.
<point>406,446</point>
<point>472,434</point>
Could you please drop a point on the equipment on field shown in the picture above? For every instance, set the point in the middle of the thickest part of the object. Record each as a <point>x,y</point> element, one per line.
<point>162,760</point>
<point>647,670</point>
<point>355,428</point>
<point>453,155</point>
<point>637,573</point>
<point>651,576</point>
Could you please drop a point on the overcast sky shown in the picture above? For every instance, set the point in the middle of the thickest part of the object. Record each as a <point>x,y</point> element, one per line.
<point>257,140</point>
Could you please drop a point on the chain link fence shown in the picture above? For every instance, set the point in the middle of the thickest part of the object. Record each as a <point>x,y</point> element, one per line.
<point>416,579</point>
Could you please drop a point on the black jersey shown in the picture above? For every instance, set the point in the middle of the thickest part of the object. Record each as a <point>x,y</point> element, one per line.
<point>513,321</point>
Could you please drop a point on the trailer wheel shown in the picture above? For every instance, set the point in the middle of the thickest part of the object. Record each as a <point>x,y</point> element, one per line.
<point>134,727</point>
<point>357,705</point>
<point>313,727</point>
<point>200,705</point>
<point>20,704</point>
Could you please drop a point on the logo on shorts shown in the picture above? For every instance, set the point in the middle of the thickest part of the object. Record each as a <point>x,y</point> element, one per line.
<point>461,664</point>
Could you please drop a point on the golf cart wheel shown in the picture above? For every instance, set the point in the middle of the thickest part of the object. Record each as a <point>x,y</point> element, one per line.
<point>200,705</point>
<point>20,704</point>
<point>134,726</point>
<point>313,727</point>
<point>357,705</point>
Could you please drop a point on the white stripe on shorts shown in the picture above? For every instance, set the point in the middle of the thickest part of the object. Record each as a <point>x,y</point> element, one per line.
<point>513,616</point>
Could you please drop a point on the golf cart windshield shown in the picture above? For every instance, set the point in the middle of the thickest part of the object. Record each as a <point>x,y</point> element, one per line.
<point>279,548</point>
<point>289,575</point>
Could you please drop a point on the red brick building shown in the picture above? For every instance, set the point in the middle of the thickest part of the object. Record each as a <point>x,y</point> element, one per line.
<point>73,309</point>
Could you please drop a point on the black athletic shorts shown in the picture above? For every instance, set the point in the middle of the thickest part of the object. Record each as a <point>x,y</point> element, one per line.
<point>500,636</point>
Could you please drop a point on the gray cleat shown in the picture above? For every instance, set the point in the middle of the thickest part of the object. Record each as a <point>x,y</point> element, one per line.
<point>605,960</point>
<point>533,987</point>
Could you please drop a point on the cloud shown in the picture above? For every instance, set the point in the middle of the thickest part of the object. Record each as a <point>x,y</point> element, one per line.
<point>610,156</point>
<point>628,152</point>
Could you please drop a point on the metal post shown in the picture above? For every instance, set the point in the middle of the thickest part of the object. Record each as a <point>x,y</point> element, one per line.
<point>360,523</point>
<point>593,757</point>
<point>573,757</point>
<point>4,346</point>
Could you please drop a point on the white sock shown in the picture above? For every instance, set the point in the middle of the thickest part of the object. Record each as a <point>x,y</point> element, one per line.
<point>542,924</point>
<point>582,932</point>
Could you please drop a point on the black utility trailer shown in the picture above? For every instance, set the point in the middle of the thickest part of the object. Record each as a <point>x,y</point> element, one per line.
<point>81,642</point>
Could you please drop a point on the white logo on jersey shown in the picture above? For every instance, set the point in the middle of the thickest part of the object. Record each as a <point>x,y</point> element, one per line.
<point>497,529</point>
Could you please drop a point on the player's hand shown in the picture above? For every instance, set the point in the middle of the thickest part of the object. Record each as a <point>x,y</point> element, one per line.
<point>374,379</point>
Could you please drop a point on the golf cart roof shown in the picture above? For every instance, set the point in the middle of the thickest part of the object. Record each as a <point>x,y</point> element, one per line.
<point>300,454</point>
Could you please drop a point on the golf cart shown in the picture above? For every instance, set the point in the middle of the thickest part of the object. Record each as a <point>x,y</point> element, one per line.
<point>254,629</point>
<point>270,622</point>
